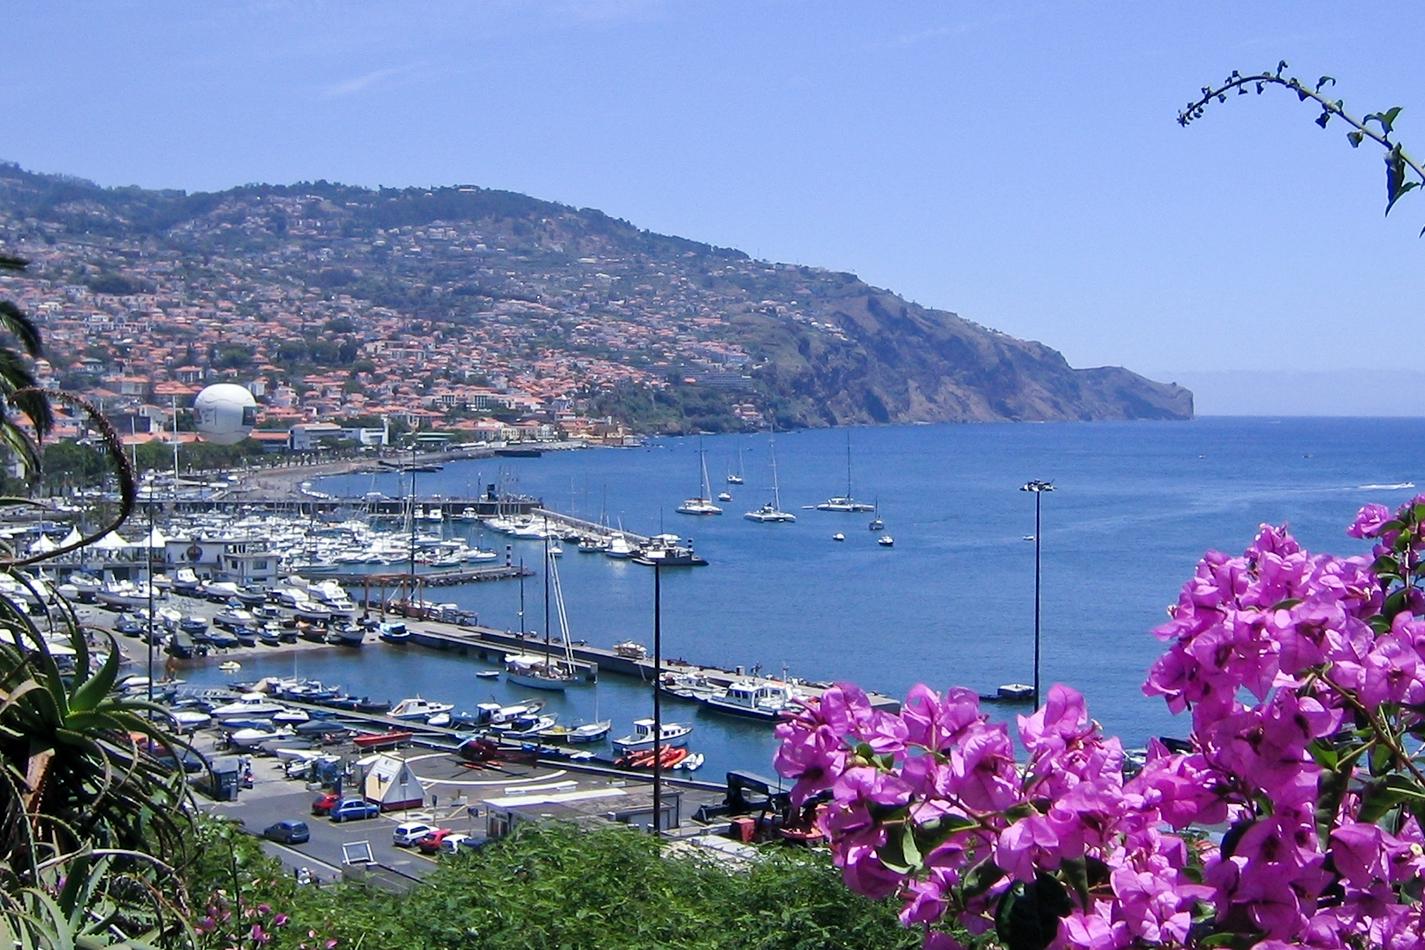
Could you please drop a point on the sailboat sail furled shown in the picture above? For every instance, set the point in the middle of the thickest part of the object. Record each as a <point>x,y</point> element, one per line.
<point>546,671</point>
<point>771,512</point>
<point>845,502</point>
<point>703,503</point>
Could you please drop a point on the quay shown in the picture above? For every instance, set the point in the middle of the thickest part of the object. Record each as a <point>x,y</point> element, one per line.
<point>489,643</point>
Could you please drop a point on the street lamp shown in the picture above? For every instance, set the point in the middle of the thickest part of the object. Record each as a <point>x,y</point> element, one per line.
<point>1038,488</point>
<point>657,558</point>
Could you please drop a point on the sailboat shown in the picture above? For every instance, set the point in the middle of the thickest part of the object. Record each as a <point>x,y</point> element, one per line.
<point>876,523</point>
<point>736,479</point>
<point>546,672</point>
<point>845,502</point>
<point>703,503</point>
<point>772,510</point>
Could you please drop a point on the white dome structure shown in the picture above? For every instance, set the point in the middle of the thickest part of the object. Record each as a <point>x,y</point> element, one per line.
<point>225,413</point>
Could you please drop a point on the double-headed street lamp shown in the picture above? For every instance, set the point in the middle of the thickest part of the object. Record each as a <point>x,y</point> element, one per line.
<point>1038,488</point>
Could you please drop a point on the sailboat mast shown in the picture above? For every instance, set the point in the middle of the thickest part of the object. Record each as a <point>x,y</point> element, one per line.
<point>546,599</point>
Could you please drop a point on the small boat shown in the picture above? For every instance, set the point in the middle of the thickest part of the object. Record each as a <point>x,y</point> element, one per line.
<point>488,674</point>
<point>673,733</point>
<point>838,536</point>
<point>724,496</point>
<point>591,731</point>
<point>619,548</point>
<point>394,632</point>
<point>248,706</point>
<point>382,740</point>
<point>630,649</point>
<point>187,720</point>
<point>417,708</point>
<point>670,757</point>
<point>1015,691</point>
<point>692,762</point>
<point>885,541</point>
<point>230,666</point>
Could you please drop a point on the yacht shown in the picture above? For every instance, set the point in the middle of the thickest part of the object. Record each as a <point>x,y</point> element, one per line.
<point>417,708</point>
<point>759,700</point>
<point>248,706</point>
<point>673,733</point>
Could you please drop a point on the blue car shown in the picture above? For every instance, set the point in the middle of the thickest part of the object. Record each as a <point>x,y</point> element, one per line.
<point>353,809</point>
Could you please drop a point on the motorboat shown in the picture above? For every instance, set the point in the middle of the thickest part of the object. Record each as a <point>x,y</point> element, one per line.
<point>619,547</point>
<point>252,738</point>
<point>838,536</point>
<point>765,700</point>
<point>418,708</point>
<point>187,720</point>
<point>528,726</point>
<point>248,706</point>
<point>669,550</point>
<point>886,541</point>
<point>394,632</point>
<point>230,617</point>
<point>672,733</point>
<point>121,594</point>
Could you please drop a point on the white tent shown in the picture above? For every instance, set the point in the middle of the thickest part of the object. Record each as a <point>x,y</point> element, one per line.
<point>43,545</point>
<point>391,784</point>
<point>155,539</point>
<point>112,542</point>
<point>74,537</point>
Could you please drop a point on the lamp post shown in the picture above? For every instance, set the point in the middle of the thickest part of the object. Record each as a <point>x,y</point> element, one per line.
<point>148,554</point>
<point>657,558</point>
<point>1038,488</point>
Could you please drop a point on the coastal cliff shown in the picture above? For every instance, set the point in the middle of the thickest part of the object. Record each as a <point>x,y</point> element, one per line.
<point>421,296</point>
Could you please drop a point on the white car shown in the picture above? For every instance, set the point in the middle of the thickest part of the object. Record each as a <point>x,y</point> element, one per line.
<point>408,833</point>
<point>450,844</point>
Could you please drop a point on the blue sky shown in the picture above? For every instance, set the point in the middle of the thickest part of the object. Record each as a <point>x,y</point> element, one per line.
<point>1017,163</point>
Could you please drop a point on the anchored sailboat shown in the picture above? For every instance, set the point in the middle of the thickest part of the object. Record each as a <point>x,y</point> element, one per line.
<point>845,502</point>
<point>703,503</point>
<point>772,510</point>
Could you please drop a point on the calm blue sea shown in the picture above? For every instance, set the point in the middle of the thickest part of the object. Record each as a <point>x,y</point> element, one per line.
<point>952,603</point>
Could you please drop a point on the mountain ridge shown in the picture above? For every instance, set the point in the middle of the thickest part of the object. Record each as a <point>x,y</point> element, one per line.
<point>665,332</point>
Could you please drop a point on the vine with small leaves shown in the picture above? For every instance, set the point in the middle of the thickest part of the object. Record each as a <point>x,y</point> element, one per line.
<point>1378,127</point>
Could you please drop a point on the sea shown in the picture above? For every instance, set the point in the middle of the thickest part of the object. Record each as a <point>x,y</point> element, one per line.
<point>952,603</point>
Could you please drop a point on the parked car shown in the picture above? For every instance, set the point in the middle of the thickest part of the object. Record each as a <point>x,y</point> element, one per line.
<point>431,842</point>
<point>291,831</point>
<point>322,804</point>
<point>408,833</point>
<point>450,844</point>
<point>354,809</point>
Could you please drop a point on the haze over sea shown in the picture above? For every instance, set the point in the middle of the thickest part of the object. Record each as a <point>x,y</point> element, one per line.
<point>1135,507</point>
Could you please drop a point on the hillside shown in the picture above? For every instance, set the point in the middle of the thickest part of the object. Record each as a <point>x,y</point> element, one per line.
<point>406,293</point>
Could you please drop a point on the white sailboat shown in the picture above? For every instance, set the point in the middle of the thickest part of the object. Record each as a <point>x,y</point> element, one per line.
<point>703,503</point>
<point>845,502</point>
<point>772,511</point>
<point>546,671</point>
<point>736,479</point>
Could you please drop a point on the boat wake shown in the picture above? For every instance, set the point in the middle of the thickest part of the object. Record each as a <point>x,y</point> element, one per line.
<point>1398,485</point>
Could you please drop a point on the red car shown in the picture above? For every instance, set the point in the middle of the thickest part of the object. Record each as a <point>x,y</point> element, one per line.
<point>430,844</point>
<point>323,805</point>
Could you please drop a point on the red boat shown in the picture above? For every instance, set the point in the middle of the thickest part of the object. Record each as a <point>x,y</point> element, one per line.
<point>643,758</point>
<point>382,740</point>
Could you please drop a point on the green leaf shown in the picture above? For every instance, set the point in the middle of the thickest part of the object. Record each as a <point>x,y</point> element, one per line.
<point>1331,788</point>
<point>981,878</point>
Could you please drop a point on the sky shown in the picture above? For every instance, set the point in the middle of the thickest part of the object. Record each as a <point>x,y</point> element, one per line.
<point>1019,164</point>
